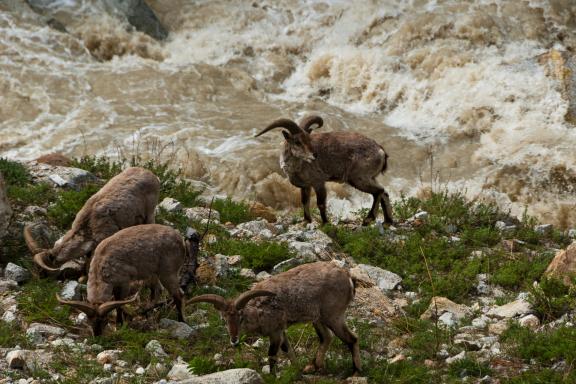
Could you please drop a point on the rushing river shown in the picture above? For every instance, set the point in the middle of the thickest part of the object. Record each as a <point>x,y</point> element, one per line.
<point>475,96</point>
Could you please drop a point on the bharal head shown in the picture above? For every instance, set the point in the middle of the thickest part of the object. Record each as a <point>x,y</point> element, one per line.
<point>71,247</point>
<point>97,314</point>
<point>297,139</point>
<point>231,310</point>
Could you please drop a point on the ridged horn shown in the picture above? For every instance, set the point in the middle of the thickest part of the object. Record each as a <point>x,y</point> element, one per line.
<point>104,308</point>
<point>218,301</point>
<point>282,123</point>
<point>307,122</point>
<point>39,259</point>
<point>30,242</point>
<point>83,306</point>
<point>244,298</point>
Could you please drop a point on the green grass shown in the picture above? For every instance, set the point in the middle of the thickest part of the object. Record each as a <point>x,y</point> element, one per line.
<point>11,336</point>
<point>14,173</point>
<point>232,211</point>
<point>63,212</point>
<point>260,256</point>
<point>38,303</point>
<point>551,299</point>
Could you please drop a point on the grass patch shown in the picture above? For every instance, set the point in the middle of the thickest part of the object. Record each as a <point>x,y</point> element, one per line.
<point>260,256</point>
<point>38,303</point>
<point>468,367</point>
<point>63,212</point>
<point>232,211</point>
<point>551,299</point>
<point>14,173</point>
<point>11,336</point>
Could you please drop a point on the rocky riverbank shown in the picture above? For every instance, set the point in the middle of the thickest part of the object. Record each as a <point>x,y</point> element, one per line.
<point>456,291</point>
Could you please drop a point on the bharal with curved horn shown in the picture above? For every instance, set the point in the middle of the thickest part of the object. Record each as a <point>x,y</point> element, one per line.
<point>150,253</point>
<point>312,159</point>
<point>317,292</point>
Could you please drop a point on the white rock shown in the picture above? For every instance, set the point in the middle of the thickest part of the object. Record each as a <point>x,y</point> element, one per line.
<point>512,309</point>
<point>16,273</point>
<point>543,229</point>
<point>108,356</point>
<point>9,317</point>
<point>170,205</point>
<point>530,321</point>
<point>231,376</point>
<point>572,233</point>
<point>16,359</point>
<point>480,322</point>
<point>45,329</point>
<point>140,371</point>
<point>72,291</point>
<point>385,280</point>
<point>422,215</point>
<point>304,250</point>
<point>442,305</point>
<point>262,276</point>
<point>246,272</point>
<point>201,214</point>
<point>458,357</point>
<point>448,319</point>
<point>155,349</point>
<point>180,371</point>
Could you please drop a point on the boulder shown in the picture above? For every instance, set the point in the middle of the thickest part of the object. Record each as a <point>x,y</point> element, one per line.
<point>16,273</point>
<point>65,177</point>
<point>440,305</point>
<point>512,309</point>
<point>231,376</point>
<point>563,266</point>
<point>170,205</point>
<point>385,280</point>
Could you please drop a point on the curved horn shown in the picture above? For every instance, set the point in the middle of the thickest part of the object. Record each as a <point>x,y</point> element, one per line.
<point>83,306</point>
<point>218,301</point>
<point>39,259</point>
<point>244,298</point>
<point>106,307</point>
<point>282,123</point>
<point>33,246</point>
<point>307,122</point>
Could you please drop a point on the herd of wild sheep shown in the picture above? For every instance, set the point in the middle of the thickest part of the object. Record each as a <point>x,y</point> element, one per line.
<point>114,234</point>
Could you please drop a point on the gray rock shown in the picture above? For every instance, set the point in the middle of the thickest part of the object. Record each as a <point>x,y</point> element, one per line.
<point>543,229</point>
<point>246,272</point>
<point>65,177</point>
<point>177,329</point>
<point>7,285</point>
<point>286,264</point>
<point>16,273</point>
<point>512,309</point>
<point>456,358</point>
<point>231,376</point>
<point>16,359</point>
<point>36,332</point>
<point>5,209</point>
<point>572,233</point>
<point>468,341</point>
<point>155,349</point>
<point>255,228</point>
<point>109,356</point>
<point>480,322</point>
<point>385,280</point>
<point>9,317</point>
<point>170,205</point>
<point>440,305</point>
<point>72,290</point>
<point>304,250</point>
<point>422,215</point>
<point>201,213</point>
<point>262,276</point>
<point>448,319</point>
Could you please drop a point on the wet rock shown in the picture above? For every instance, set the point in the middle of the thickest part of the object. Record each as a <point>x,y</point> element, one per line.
<point>384,280</point>
<point>260,210</point>
<point>201,213</point>
<point>71,291</point>
<point>64,177</point>
<point>170,205</point>
<point>231,376</point>
<point>5,209</point>
<point>16,273</point>
<point>180,371</point>
<point>155,349</point>
<point>530,321</point>
<point>512,309</point>
<point>178,329</point>
<point>440,305</point>
<point>109,356</point>
<point>563,266</point>
<point>543,229</point>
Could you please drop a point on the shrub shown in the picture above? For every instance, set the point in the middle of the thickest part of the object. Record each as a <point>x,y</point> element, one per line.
<point>551,299</point>
<point>14,173</point>
<point>68,203</point>
<point>259,256</point>
<point>232,211</point>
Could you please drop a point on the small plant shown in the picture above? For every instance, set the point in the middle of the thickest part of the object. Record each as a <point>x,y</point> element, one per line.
<point>38,303</point>
<point>551,299</point>
<point>259,256</point>
<point>232,211</point>
<point>201,365</point>
<point>67,205</point>
<point>100,166</point>
<point>468,367</point>
<point>14,173</point>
